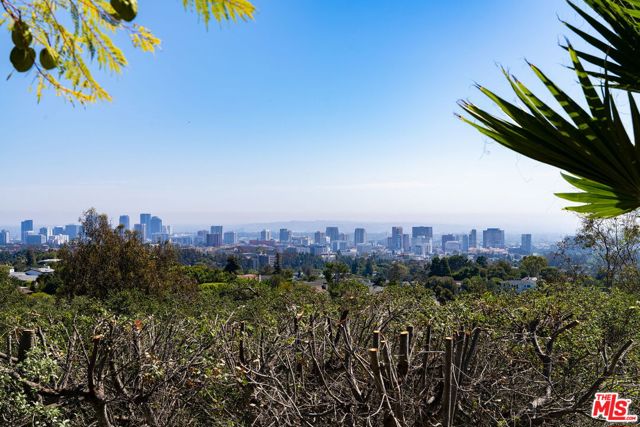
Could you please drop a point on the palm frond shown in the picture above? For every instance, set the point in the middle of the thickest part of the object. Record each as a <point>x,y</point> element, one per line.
<point>592,146</point>
<point>618,41</point>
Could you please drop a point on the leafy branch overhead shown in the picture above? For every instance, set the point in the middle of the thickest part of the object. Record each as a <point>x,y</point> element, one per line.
<point>591,145</point>
<point>74,35</point>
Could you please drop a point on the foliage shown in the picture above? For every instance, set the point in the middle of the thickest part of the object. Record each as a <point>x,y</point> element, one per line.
<point>105,260</point>
<point>81,34</point>
<point>593,147</point>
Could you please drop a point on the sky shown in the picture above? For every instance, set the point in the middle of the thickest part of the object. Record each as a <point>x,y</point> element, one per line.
<point>316,110</point>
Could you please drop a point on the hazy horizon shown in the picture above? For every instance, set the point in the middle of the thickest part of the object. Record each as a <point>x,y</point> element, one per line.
<point>332,110</point>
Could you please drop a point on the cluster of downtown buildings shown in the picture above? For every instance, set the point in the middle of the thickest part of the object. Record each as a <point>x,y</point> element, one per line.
<point>420,243</point>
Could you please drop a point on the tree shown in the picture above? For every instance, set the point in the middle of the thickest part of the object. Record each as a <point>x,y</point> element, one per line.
<point>335,272</point>
<point>532,265</point>
<point>73,34</point>
<point>593,147</point>
<point>616,244</point>
<point>232,265</point>
<point>440,267</point>
<point>277,268</point>
<point>105,261</point>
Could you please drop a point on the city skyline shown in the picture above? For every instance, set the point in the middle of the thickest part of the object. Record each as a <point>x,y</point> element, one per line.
<point>329,95</point>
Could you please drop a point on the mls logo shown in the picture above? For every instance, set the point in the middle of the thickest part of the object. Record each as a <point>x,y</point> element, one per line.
<point>612,408</point>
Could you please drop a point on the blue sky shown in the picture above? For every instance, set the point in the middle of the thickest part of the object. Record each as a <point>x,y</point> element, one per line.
<point>315,110</point>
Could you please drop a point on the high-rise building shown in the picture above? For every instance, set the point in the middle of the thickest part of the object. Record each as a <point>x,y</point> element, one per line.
<point>396,238</point>
<point>5,237</point>
<point>473,239</point>
<point>333,233</point>
<point>465,243</point>
<point>230,238</point>
<point>265,235</point>
<point>448,238</point>
<point>214,239</point>
<point>493,238</point>
<point>406,242</point>
<point>285,235</point>
<point>141,231</point>
<point>35,239</point>
<point>45,231</point>
<point>426,232</point>
<point>525,244</point>
<point>145,219</point>
<point>58,230</point>
<point>319,238</point>
<point>72,230</point>
<point>125,222</point>
<point>216,229</point>
<point>359,236</point>
<point>25,227</point>
<point>155,225</point>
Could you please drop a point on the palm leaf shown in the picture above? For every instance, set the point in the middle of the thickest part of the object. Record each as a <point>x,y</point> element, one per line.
<point>618,41</point>
<point>593,147</point>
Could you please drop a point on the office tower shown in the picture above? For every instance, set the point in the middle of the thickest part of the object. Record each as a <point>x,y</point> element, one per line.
<point>145,219</point>
<point>216,229</point>
<point>155,225</point>
<point>525,246</point>
<point>167,229</point>
<point>230,238</point>
<point>285,235</point>
<point>359,236</point>
<point>319,238</point>
<point>406,242</point>
<point>5,237</point>
<point>141,231</point>
<point>396,238</point>
<point>493,238</point>
<point>452,247</point>
<point>473,239</point>
<point>58,230</point>
<point>214,240</point>
<point>332,233</point>
<point>426,232</point>
<point>25,227</point>
<point>265,235</point>
<point>33,239</point>
<point>125,222</point>
<point>72,230</point>
<point>448,238</point>
<point>465,243</point>
<point>45,231</point>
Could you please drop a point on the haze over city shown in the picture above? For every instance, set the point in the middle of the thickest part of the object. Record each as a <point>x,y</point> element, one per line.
<point>312,115</point>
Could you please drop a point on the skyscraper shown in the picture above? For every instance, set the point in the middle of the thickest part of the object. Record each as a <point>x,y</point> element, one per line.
<point>5,237</point>
<point>493,238</point>
<point>525,246</point>
<point>155,226</point>
<point>141,231</point>
<point>72,230</point>
<point>465,243</point>
<point>216,229</point>
<point>448,238</point>
<point>359,236</point>
<point>214,239</point>
<point>125,222</point>
<point>25,227</point>
<point>45,231</point>
<point>333,233</point>
<point>285,235</point>
<point>319,238</point>
<point>396,238</point>
<point>426,232</point>
<point>473,239</point>
<point>230,238</point>
<point>58,230</point>
<point>145,219</point>
<point>265,235</point>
